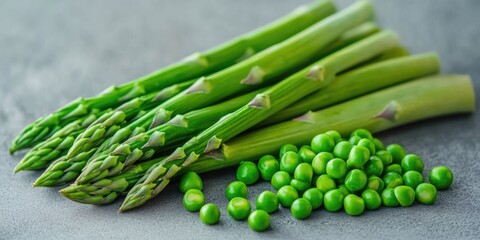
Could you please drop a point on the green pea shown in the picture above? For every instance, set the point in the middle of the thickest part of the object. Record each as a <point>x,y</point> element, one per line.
<point>353,205</point>
<point>363,133</point>
<point>268,165</point>
<point>397,152</point>
<point>441,177</point>
<point>342,150</point>
<point>405,195</point>
<point>193,200</point>
<point>267,201</point>
<point>426,193</point>
<point>287,148</point>
<point>314,196</point>
<point>412,162</point>
<point>368,144</point>
<point>374,166</point>
<point>259,220</point>
<point>299,185</point>
<point>412,179</point>
<point>289,162</point>
<point>325,183</point>
<point>354,140</point>
<point>190,180</point>
<point>301,208</point>
<point>286,195</point>
<point>372,199</point>
<point>248,173</point>
<point>319,163</point>
<point>333,200</point>
<point>322,143</point>
<point>280,179</point>
<point>396,168</point>
<point>307,154</point>
<point>356,180</point>
<point>303,172</point>
<point>236,189</point>
<point>392,180</point>
<point>209,214</point>
<point>344,189</point>
<point>359,155</point>
<point>389,199</point>
<point>385,156</point>
<point>375,183</point>
<point>336,168</point>
<point>239,208</point>
<point>335,136</point>
<point>378,144</point>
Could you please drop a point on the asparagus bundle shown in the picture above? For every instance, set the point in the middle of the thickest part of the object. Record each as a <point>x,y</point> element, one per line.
<point>193,66</point>
<point>362,112</point>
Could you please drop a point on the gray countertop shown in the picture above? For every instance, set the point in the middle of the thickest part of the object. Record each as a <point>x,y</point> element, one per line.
<point>52,52</point>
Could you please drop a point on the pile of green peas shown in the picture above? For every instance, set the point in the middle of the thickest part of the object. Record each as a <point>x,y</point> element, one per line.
<point>352,174</point>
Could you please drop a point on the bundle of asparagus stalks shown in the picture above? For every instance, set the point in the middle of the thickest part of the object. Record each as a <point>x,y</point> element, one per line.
<point>313,70</point>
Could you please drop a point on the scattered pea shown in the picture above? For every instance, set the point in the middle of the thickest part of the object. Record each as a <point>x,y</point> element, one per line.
<point>336,168</point>
<point>441,177</point>
<point>333,200</point>
<point>378,144</point>
<point>193,200</point>
<point>412,179</point>
<point>322,143</point>
<point>335,136</point>
<point>344,189</point>
<point>389,199</point>
<point>248,173</point>
<point>385,156</point>
<point>405,195</point>
<point>259,220</point>
<point>397,152</point>
<point>268,165</point>
<point>354,140</point>
<point>286,195</point>
<point>289,162</point>
<point>319,163</point>
<point>342,150</point>
<point>353,205</point>
<point>303,172</point>
<point>374,166</point>
<point>368,144</point>
<point>412,162</point>
<point>267,201</point>
<point>236,189</point>
<point>306,154</point>
<point>426,193</point>
<point>375,183</point>
<point>280,179</point>
<point>314,196</point>
<point>239,208</point>
<point>190,180</point>
<point>287,148</point>
<point>209,214</point>
<point>362,133</point>
<point>372,199</point>
<point>325,183</point>
<point>392,180</point>
<point>396,168</point>
<point>356,180</point>
<point>301,208</point>
<point>359,155</point>
<point>299,185</point>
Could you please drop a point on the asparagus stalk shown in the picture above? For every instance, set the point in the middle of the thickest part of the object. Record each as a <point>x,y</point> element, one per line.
<point>246,75</point>
<point>196,65</point>
<point>261,107</point>
<point>345,117</point>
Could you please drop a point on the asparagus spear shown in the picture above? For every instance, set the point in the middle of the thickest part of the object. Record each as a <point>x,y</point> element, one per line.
<point>196,65</point>
<point>261,107</point>
<point>345,117</point>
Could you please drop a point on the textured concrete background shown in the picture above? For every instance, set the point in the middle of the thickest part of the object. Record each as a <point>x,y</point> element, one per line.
<point>52,52</point>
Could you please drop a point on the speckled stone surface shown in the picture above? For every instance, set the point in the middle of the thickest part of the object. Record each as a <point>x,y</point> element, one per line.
<point>52,52</point>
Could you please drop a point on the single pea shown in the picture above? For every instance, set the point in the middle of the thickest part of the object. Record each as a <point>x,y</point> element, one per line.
<point>392,180</point>
<point>359,155</point>
<point>363,133</point>
<point>333,200</point>
<point>356,180</point>
<point>412,162</point>
<point>354,140</point>
<point>268,165</point>
<point>319,163</point>
<point>299,185</point>
<point>335,136</point>
<point>441,177</point>
<point>397,152</point>
<point>248,173</point>
<point>396,168</point>
<point>374,166</point>
<point>193,200</point>
<point>301,208</point>
<point>405,195</point>
<point>378,144</point>
<point>385,156</point>
<point>287,148</point>
<point>375,183</point>
<point>307,154</point>
<point>190,180</point>
<point>426,193</point>
<point>267,201</point>
<point>286,195</point>
<point>368,144</point>
<point>314,196</point>
<point>289,162</point>
<point>325,183</point>
<point>336,168</point>
<point>372,199</point>
<point>239,208</point>
<point>209,214</point>
<point>280,179</point>
<point>303,172</point>
<point>259,220</point>
<point>353,205</point>
<point>412,179</point>
<point>322,143</point>
<point>342,150</point>
<point>344,189</point>
<point>389,199</point>
<point>236,189</point>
